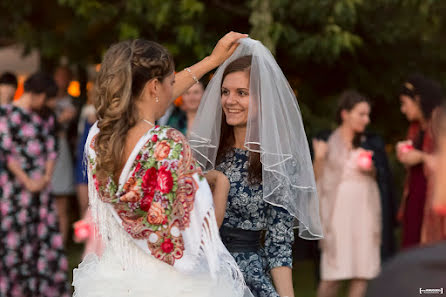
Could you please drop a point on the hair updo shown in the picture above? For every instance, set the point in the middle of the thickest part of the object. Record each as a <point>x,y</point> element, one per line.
<point>126,68</point>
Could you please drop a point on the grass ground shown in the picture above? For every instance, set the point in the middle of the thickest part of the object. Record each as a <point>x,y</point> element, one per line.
<point>304,272</point>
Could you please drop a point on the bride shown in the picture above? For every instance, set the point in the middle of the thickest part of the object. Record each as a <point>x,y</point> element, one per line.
<point>148,196</point>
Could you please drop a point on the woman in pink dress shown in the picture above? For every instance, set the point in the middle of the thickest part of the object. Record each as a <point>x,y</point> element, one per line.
<point>350,202</point>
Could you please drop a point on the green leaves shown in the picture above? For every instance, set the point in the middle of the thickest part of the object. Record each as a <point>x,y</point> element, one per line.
<point>186,34</point>
<point>128,31</point>
<point>262,23</point>
<point>191,8</point>
<point>320,30</point>
<point>327,45</point>
<point>324,46</point>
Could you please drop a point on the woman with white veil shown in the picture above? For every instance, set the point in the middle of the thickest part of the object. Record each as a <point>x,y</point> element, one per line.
<point>250,128</point>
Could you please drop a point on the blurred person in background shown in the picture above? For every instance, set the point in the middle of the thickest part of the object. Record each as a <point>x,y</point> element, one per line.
<point>87,118</point>
<point>191,102</point>
<point>174,117</point>
<point>439,190</point>
<point>423,268</point>
<point>63,179</point>
<point>8,86</point>
<point>434,223</point>
<point>85,230</point>
<point>32,261</point>
<point>419,97</point>
<point>346,176</point>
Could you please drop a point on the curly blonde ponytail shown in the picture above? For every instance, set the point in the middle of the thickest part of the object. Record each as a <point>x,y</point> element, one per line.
<point>126,68</point>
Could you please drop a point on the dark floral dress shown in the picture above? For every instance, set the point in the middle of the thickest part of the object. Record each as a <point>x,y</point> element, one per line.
<point>32,261</point>
<point>247,210</point>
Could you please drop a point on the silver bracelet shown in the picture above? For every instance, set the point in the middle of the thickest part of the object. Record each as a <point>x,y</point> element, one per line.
<point>193,76</point>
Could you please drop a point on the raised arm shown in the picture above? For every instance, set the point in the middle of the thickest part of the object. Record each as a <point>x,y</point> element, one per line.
<point>223,50</point>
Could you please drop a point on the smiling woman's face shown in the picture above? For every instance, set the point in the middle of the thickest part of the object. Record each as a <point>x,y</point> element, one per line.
<point>235,98</point>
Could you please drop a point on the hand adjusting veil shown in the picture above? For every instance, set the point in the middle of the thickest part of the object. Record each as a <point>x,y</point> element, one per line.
<point>274,129</point>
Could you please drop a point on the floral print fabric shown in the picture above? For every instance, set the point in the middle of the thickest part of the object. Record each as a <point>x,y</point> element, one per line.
<point>32,261</point>
<point>155,203</point>
<point>247,210</point>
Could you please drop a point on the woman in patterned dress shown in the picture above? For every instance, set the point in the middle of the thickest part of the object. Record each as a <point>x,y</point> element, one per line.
<point>246,139</point>
<point>32,261</point>
<point>246,209</point>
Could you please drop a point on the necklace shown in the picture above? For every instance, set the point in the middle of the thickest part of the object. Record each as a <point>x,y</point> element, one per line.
<point>148,122</point>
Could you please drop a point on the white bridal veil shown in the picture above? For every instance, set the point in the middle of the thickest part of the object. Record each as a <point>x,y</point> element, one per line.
<point>274,129</point>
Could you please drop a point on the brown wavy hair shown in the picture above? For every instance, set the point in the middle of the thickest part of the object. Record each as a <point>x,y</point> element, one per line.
<point>126,68</point>
<point>227,140</point>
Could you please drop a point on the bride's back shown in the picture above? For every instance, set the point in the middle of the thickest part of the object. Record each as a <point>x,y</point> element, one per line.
<point>123,99</point>
<point>152,205</point>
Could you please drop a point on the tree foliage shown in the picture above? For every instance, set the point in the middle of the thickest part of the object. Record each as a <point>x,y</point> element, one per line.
<point>323,46</point>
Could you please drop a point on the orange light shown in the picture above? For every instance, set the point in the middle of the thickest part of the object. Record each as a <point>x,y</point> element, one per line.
<point>178,101</point>
<point>74,89</point>
<point>90,85</point>
<point>19,91</point>
<point>98,67</point>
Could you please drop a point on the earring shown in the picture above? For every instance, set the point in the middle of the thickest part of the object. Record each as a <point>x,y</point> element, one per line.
<point>157,99</point>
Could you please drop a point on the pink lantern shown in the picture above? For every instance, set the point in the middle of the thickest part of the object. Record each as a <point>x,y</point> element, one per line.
<point>81,230</point>
<point>365,160</point>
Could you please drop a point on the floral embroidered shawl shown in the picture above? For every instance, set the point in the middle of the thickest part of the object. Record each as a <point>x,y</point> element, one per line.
<point>164,204</point>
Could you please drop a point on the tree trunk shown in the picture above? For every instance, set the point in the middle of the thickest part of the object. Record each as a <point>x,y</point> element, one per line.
<point>262,23</point>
